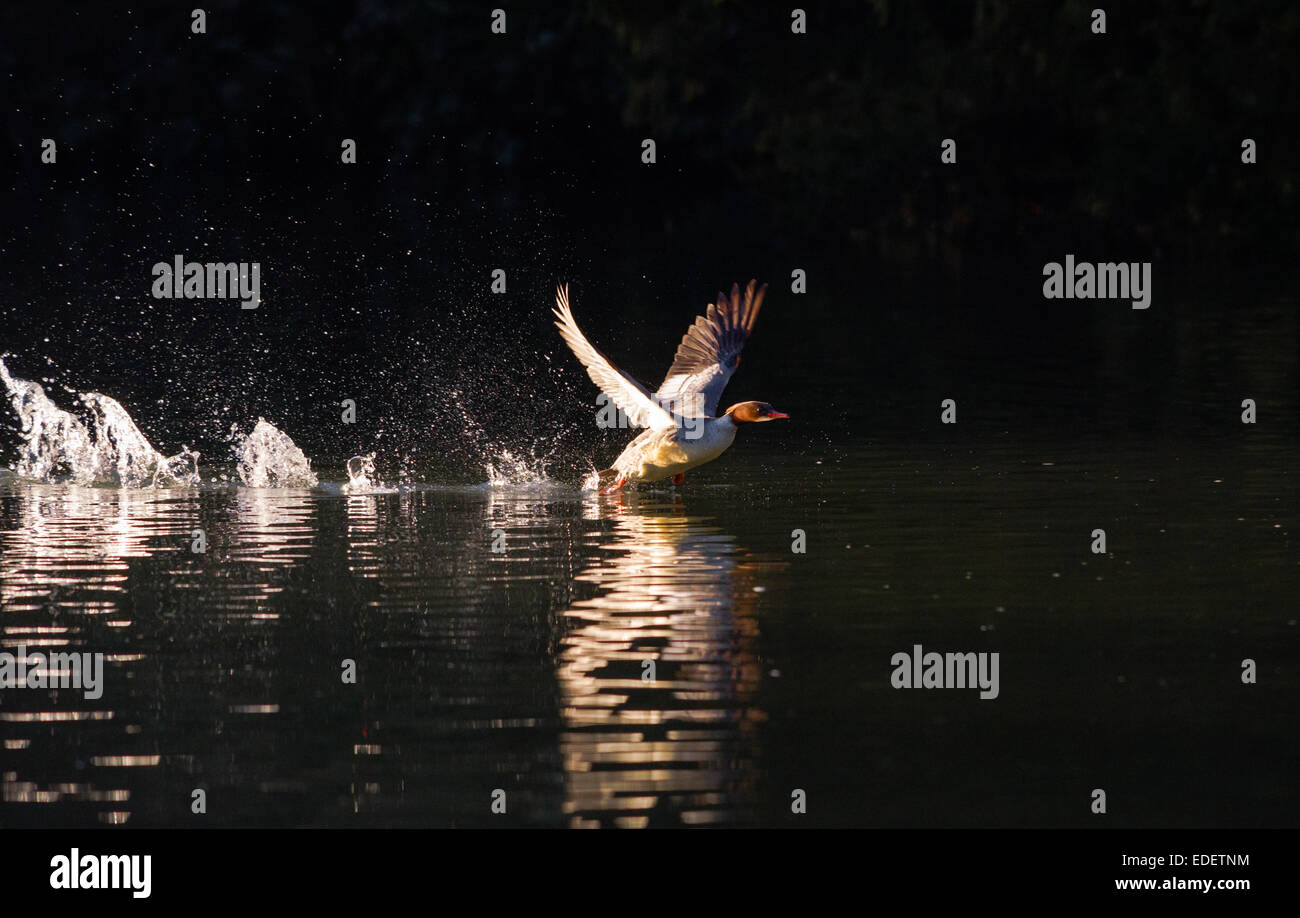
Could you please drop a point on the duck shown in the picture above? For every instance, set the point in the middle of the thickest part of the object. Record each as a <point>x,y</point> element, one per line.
<point>683,430</point>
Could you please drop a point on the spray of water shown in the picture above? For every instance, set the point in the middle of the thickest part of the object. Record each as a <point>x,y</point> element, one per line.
<point>503,466</point>
<point>360,468</point>
<point>362,478</point>
<point>102,446</point>
<point>266,458</point>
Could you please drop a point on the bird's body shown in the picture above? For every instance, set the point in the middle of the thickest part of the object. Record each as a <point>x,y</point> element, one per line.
<point>683,431</point>
<point>662,453</point>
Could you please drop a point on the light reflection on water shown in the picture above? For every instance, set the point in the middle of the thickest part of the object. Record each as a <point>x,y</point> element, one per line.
<point>658,671</point>
<point>202,647</point>
<point>67,582</point>
<point>521,670</point>
<point>68,547</point>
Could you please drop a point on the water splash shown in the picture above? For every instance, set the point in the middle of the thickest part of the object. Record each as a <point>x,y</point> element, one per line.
<point>99,443</point>
<point>102,447</point>
<point>508,469</point>
<point>360,468</point>
<point>267,458</point>
<point>362,479</point>
<point>504,466</point>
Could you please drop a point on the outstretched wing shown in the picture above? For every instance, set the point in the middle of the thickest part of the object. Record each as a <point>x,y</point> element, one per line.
<point>627,393</point>
<point>710,352</point>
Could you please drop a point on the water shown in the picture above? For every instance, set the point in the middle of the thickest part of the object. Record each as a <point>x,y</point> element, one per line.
<point>522,670</point>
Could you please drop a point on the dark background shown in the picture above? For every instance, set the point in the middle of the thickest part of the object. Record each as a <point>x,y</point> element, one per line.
<point>522,151</point>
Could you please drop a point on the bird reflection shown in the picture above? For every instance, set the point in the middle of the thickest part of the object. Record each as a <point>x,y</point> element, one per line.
<point>658,670</point>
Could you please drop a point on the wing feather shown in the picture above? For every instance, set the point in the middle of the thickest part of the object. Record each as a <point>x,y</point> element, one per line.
<point>637,404</point>
<point>710,352</point>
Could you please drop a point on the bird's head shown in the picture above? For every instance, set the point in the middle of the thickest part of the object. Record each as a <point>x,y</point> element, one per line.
<point>752,412</point>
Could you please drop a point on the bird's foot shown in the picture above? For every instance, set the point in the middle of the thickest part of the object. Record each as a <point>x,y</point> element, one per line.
<point>622,480</point>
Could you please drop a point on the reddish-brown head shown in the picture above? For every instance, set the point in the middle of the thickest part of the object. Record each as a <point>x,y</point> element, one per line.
<point>752,412</point>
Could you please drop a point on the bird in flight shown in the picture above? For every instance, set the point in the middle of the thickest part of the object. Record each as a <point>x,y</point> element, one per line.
<point>683,430</point>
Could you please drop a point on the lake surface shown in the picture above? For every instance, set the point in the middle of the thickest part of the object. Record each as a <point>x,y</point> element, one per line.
<point>522,670</point>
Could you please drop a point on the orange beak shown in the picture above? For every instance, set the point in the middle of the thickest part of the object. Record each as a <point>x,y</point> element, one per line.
<point>778,414</point>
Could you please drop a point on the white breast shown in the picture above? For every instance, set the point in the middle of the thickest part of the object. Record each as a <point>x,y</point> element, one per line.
<point>669,452</point>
